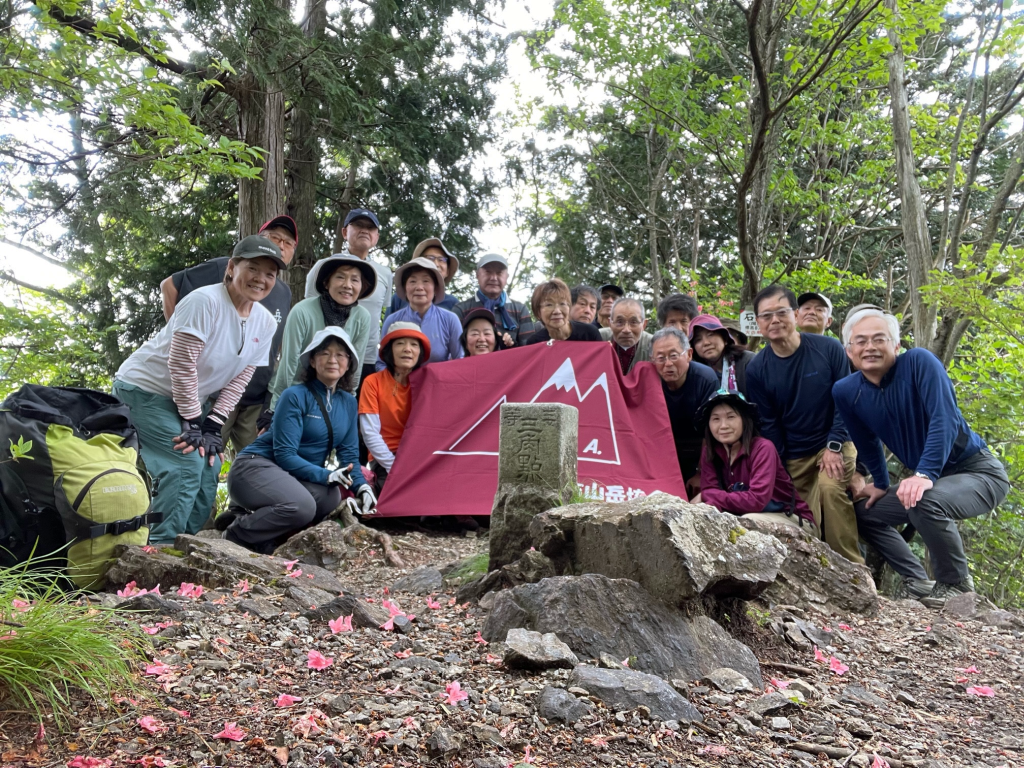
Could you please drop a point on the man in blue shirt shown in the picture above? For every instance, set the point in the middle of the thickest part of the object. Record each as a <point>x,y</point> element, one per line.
<point>791,381</point>
<point>907,403</point>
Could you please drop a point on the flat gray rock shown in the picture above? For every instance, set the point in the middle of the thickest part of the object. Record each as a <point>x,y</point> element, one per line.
<point>771,704</point>
<point>622,689</point>
<point>728,680</point>
<point>364,614</point>
<point>532,650</point>
<point>557,704</point>
<point>323,545</point>
<point>422,581</point>
<point>594,614</point>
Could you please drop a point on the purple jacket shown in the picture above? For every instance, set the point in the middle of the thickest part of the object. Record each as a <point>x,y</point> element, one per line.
<point>763,474</point>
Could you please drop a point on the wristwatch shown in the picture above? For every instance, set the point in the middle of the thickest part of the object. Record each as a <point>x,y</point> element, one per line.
<point>835,446</point>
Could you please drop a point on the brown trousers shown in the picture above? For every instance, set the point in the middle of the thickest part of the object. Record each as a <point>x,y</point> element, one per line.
<point>832,508</point>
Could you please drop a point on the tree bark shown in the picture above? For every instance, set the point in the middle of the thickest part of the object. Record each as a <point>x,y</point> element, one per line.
<point>916,239</point>
<point>261,124</point>
<point>345,206</point>
<point>303,162</point>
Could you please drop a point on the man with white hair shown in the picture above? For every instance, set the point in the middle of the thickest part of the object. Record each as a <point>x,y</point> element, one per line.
<point>907,403</point>
<point>686,386</point>
<point>512,318</point>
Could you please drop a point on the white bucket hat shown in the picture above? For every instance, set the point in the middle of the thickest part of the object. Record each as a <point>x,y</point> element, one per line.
<point>330,332</point>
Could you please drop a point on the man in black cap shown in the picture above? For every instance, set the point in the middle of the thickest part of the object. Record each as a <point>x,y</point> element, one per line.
<point>361,231</point>
<point>610,293</point>
<point>241,428</point>
<point>512,318</point>
<point>813,312</point>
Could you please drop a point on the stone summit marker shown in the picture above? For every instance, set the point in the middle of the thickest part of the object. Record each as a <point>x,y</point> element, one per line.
<point>537,445</point>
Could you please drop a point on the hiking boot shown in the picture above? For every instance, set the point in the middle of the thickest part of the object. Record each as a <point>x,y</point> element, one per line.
<point>942,592</point>
<point>913,589</point>
<point>228,516</point>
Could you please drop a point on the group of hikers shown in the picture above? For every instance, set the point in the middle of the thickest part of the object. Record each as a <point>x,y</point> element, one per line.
<point>796,433</point>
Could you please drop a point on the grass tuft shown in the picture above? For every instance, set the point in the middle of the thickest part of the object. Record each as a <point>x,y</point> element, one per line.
<point>52,649</point>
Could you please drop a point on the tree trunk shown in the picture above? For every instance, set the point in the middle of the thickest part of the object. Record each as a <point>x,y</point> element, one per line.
<point>345,206</point>
<point>261,124</point>
<point>916,240</point>
<point>303,162</point>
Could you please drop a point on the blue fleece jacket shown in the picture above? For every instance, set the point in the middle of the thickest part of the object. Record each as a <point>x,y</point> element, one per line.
<point>297,438</point>
<point>794,395</point>
<point>913,412</point>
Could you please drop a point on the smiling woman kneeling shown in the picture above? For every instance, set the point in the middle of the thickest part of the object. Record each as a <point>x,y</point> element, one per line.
<point>282,477</point>
<point>740,471</point>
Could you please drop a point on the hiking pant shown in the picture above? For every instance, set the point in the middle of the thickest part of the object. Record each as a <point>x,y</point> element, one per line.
<point>239,431</point>
<point>832,508</point>
<point>281,504</point>
<point>186,485</point>
<point>973,487</point>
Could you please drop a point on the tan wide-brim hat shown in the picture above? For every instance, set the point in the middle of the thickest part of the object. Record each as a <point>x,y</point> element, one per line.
<point>432,270</point>
<point>435,242</point>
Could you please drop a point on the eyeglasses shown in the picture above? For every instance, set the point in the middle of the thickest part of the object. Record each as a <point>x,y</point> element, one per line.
<point>778,314</point>
<point>438,259</point>
<point>327,355</point>
<point>621,322</point>
<point>860,342</point>
<point>673,357</point>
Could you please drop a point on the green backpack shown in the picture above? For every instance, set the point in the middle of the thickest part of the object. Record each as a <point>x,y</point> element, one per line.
<point>75,490</point>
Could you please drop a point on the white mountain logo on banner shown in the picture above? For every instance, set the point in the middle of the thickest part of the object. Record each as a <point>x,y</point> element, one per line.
<point>598,442</point>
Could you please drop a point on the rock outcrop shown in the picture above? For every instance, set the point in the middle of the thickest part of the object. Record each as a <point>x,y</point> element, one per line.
<point>815,575</point>
<point>323,545</point>
<point>594,614</point>
<point>212,563</point>
<point>676,550</point>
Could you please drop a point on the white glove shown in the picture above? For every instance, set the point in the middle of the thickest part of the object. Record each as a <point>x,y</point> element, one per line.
<point>342,477</point>
<point>368,500</point>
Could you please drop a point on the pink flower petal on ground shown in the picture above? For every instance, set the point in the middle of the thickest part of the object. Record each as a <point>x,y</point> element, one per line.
<point>480,638</point>
<point>89,762</point>
<point>130,590</point>
<point>432,604</point>
<point>837,666</point>
<point>971,670</point>
<point>317,660</point>
<point>289,564</point>
<point>188,589</point>
<point>151,761</point>
<point>491,659</point>
<point>819,656</point>
<point>715,749</point>
<point>242,586</point>
<point>158,668</point>
<point>20,605</point>
<point>980,690</point>
<point>879,762</point>
<point>295,574</point>
<point>780,684</point>
<point>151,725</point>
<point>231,732</point>
<point>155,590</point>
<point>341,624</point>
<point>455,693</point>
<point>150,550</point>
<point>182,713</point>
<point>404,654</point>
<point>286,700</point>
<point>150,630</point>
<point>845,627</point>
<point>389,625</point>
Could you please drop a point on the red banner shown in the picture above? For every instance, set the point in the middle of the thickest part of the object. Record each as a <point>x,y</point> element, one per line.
<point>447,463</point>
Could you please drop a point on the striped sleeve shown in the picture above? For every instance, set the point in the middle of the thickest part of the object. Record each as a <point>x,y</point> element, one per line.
<point>232,393</point>
<point>181,364</point>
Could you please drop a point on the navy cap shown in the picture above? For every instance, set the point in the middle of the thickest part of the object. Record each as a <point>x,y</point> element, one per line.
<point>255,247</point>
<point>361,213</point>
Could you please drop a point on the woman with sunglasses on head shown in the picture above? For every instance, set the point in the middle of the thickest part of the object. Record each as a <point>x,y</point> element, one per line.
<point>740,471</point>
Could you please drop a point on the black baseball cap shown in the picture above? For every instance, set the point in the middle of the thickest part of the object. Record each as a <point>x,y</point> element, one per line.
<point>282,222</point>
<point>256,247</point>
<point>613,289</point>
<point>361,213</point>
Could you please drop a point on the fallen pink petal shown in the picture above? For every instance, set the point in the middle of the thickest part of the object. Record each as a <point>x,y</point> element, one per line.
<point>837,666</point>
<point>151,725</point>
<point>286,700</point>
<point>981,690</point>
<point>231,732</point>
<point>316,660</point>
<point>340,624</point>
<point>454,693</point>
<point>89,762</point>
<point>819,656</point>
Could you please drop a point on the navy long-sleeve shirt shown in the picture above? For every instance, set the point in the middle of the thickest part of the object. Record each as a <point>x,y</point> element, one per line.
<point>794,395</point>
<point>913,412</point>
<point>297,438</point>
<point>683,403</point>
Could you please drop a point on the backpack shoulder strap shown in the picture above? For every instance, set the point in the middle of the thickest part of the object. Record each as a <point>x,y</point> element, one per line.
<point>327,421</point>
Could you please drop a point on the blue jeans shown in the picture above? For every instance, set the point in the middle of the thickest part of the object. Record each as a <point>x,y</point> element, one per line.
<point>973,487</point>
<point>186,486</point>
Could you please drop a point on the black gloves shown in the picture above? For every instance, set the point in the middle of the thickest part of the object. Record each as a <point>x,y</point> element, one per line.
<point>264,421</point>
<point>212,441</point>
<point>191,433</point>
